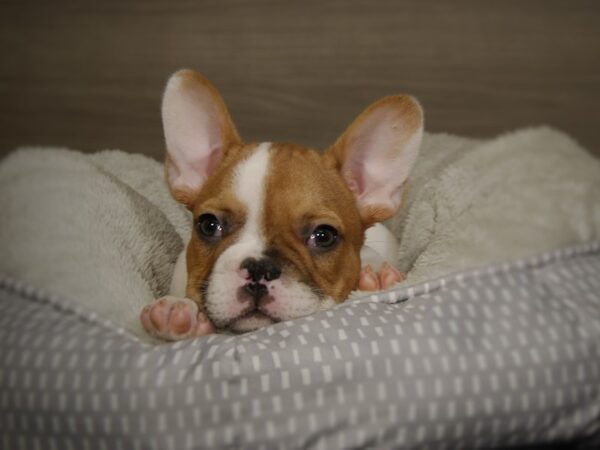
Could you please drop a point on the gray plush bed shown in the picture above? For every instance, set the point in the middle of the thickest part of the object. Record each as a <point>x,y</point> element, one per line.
<point>503,356</point>
<point>493,341</point>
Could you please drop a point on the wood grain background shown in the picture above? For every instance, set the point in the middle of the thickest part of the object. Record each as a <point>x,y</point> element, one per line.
<point>89,75</point>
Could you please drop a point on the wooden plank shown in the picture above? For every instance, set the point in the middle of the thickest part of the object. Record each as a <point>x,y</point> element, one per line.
<point>89,75</point>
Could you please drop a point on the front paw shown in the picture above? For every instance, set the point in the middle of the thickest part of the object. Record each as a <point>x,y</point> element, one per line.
<point>384,278</point>
<point>173,319</point>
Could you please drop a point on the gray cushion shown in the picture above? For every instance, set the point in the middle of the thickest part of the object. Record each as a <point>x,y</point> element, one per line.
<point>507,355</point>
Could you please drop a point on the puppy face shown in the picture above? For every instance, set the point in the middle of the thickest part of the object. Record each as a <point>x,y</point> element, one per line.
<point>278,228</point>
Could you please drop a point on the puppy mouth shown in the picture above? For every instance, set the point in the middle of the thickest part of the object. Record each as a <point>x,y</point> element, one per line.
<point>256,307</point>
<point>254,311</point>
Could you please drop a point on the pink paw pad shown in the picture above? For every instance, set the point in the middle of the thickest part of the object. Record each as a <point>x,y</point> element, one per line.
<point>174,319</point>
<point>384,278</point>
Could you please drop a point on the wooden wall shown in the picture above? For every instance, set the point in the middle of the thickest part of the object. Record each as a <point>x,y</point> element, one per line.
<point>89,74</point>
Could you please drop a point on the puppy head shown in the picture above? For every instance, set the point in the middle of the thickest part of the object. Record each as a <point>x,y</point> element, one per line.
<point>278,228</point>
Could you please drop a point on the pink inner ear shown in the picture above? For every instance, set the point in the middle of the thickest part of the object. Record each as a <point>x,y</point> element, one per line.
<point>353,176</point>
<point>356,167</point>
<point>196,171</point>
<point>193,134</point>
<point>380,155</point>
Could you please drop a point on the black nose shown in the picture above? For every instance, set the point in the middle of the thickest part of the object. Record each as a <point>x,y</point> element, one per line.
<point>261,268</point>
<point>256,290</point>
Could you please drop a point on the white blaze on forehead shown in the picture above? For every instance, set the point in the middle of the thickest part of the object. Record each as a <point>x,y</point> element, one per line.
<point>249,187</point>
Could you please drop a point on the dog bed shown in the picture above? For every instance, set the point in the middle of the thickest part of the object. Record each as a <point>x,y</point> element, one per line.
<point>468,353</point>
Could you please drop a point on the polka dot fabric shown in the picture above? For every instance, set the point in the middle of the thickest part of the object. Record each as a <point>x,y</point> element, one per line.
<point>502,356</point>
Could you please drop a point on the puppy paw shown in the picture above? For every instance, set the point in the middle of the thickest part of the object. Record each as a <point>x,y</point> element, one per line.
<point>173,319</point>
<point>389,275</point>
<point>384,278</point>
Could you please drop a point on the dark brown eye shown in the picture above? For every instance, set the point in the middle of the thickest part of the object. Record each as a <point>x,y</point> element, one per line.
<point>323,237</point>
<point>209,227</point>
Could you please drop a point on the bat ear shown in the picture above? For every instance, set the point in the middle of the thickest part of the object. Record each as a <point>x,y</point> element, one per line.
<point>377,152</point>
<point>198,131</point>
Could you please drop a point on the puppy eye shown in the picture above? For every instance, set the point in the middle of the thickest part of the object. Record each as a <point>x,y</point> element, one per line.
<point>208,226</point>
<point>323,237</point>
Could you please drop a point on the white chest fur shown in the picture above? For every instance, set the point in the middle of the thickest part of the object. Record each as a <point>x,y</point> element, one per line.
<point>380,246</point>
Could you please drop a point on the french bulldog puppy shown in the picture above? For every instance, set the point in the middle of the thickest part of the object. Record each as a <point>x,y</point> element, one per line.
<point>278,227</point>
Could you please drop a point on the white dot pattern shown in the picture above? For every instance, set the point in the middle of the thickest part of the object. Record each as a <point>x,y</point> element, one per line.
<point>501,356</point>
